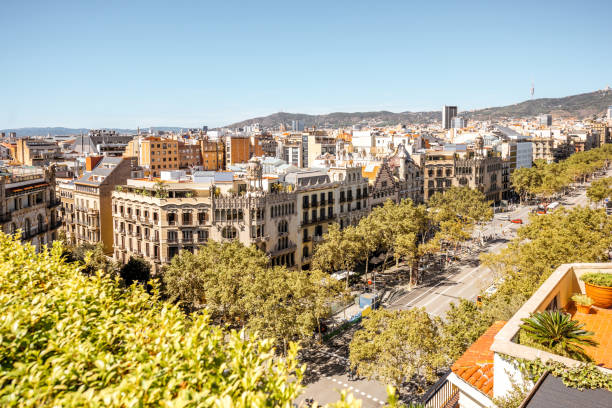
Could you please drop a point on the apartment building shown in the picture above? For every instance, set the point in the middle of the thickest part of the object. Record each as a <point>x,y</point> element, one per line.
<point>316,143</point>
<point>65,193</point>
<point>28,203</point>
<point>189,155</point>
<point>445,169</point>
<point>212,153</point>
<point>551,149</point>
<point>156,221</point>
<point>93,221</point>
<point>240,149</point>
<point>36,152</point>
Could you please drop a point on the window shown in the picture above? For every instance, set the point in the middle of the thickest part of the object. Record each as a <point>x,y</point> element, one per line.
<point>187,235</point>
<point>186,218</point>
<point>202,235</point>
<point>283,226</point>
<point>172,236</point>
<point>229,232</point>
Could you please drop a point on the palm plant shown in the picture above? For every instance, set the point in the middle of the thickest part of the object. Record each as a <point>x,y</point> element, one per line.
<point>557,332</point>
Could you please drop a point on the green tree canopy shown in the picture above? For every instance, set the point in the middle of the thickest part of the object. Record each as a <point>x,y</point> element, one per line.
<point>397,347</point>
<point>135,270</point>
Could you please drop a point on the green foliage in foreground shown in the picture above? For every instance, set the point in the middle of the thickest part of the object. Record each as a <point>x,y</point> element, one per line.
<point>598,279</point>
<point>68,339</point>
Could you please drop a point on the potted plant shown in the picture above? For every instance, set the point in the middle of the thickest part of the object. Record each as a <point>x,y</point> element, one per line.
<point>583,303</point>
<point>598,286</point>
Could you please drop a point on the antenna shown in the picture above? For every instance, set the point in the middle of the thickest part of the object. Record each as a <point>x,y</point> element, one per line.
<point>532,90</point>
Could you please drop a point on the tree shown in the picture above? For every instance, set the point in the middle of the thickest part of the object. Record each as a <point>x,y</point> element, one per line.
<point>463,324</point>
<point>68,339</point>
<point>339,250</point>
<point>525,181</point>
<point>135,270</point>
<point>91,258</point>
<point>216,276</point>
<point>397,347</point>
<point>600,190</point>
<point>287,305</point>
<point>558,333</point>
<point>456,212</point>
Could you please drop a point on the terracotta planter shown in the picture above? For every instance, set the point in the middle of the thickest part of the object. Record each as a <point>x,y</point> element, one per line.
<point>586,309</point>
<point>601,295</point>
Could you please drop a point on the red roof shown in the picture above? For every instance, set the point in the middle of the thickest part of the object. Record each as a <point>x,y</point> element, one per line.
<point>475,366</point>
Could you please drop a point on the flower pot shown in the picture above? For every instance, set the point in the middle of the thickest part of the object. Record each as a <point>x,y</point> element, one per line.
<point>601,295</point>
<point>586,309</point>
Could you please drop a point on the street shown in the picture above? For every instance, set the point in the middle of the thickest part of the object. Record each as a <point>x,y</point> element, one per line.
<point>327,372</point>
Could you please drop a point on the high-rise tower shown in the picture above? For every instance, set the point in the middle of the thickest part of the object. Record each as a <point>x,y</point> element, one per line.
<point>448,113</point>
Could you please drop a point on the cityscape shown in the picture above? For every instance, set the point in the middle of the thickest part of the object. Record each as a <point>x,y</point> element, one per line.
<point>444,256</point>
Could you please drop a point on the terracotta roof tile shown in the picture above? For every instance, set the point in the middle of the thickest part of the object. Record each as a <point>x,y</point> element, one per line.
<point>475,366</point>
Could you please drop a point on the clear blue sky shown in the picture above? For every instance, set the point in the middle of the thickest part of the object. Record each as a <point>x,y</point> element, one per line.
<point>179,63</point>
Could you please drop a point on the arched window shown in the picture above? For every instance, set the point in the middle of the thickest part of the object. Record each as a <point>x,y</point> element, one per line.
<point>229,232</point>
<point>27,226</point>
<point>305,252</point>
<point>13,228</point>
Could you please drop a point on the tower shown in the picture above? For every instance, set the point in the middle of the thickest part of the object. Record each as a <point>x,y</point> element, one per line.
<point>254,174</point>
<point>448,113</point>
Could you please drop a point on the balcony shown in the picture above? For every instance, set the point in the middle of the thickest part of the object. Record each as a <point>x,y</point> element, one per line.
<point>54,203</point>
<point>307,239</point>
<point>290,248</point>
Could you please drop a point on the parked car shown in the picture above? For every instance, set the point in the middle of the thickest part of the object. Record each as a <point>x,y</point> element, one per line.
<point>541,212</point>
<point>516,221</point>
<point>505,217</point>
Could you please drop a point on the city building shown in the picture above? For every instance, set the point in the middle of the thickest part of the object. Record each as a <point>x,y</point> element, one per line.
<point>28,203</point>
<point>65,192</point>
<point>92,196</point>
<point>155,154</point>
<point>472,168</point>
<point>609,113</point>
<point>545,120</point>
<point>297,125</point>
<point>448,113</point>
<point>100,143</point>
<point>458,122</point>
<point>36,152</point>
<point>156,220</point>
<point>213,154</point>
<point>189,155</point>
<point>551,149</point>
<point>315,144</point>
<point>240,149</point>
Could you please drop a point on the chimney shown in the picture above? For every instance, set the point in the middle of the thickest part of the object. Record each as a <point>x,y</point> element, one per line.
<point>91,162</point>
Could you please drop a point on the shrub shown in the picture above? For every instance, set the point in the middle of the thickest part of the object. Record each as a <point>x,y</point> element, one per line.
<point>598,279</point>
<point>582,299</point>
<point>68,339</point>
<point>556,332</point>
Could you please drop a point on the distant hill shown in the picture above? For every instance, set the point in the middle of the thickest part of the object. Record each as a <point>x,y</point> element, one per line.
<point>55,131</point>
<point>579,106</point>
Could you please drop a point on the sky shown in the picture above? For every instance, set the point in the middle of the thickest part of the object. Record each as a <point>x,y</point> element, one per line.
<point>147,63</point>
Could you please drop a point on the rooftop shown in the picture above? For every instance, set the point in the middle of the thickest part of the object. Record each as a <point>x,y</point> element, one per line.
<point>475,366</point>
<point>598,321</point>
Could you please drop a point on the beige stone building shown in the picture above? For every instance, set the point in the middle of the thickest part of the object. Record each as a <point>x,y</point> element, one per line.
<point>472,168</point>
<point>28,203</point>
<point>551,149</point>
<point>93,219</point>
<point>156,221</point>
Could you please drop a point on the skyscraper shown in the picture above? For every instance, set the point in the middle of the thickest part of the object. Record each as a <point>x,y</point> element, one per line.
<point>448,113</point>
<point>545,120</point>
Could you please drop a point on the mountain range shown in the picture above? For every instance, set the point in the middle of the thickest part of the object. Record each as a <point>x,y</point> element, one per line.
<point>580,106</point>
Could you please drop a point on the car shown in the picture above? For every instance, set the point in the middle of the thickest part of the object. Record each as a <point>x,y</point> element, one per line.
<point>516,221</point>
<point>541,212</point>
<point>505,217</point>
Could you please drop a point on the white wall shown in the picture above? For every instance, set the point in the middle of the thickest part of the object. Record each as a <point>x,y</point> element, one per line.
<point>504,372</point>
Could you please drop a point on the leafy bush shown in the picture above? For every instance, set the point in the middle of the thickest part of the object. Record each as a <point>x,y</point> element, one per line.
<point>68,339</point>
<point>598,279</point>
<point>135,270</point>
<point>556,332</point>
<point>582,299</point>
